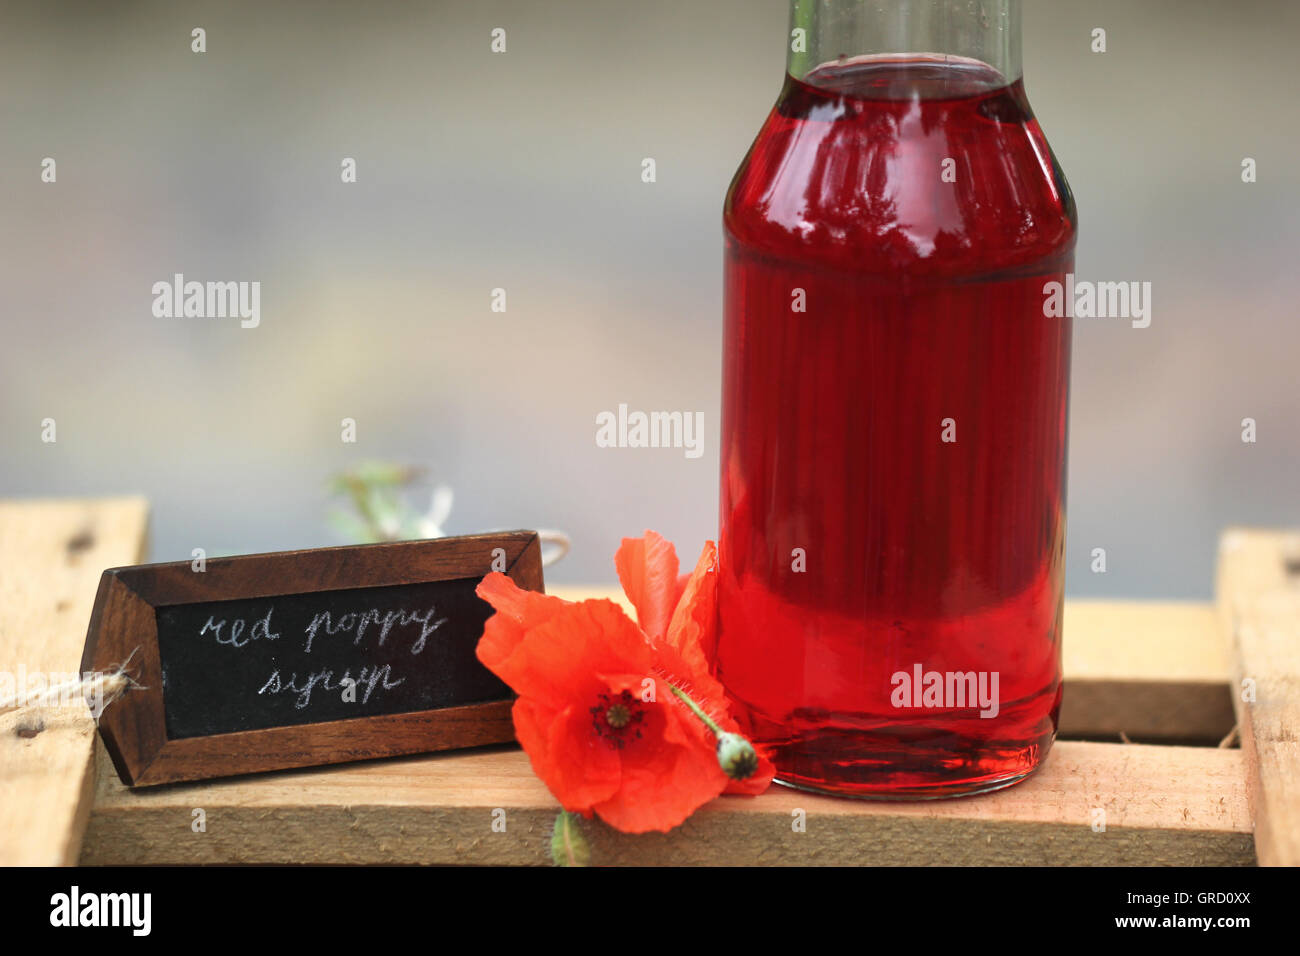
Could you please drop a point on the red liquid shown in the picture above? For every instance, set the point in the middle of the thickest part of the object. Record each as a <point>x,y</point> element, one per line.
<point>924,302</point>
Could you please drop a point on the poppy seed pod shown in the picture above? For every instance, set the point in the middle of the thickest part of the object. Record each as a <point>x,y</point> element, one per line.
<point>736,756</point>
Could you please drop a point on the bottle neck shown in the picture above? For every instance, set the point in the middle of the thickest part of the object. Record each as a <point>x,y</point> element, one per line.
<point>826,35</point>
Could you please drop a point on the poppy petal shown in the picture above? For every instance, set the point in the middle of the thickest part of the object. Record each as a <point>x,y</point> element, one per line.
<point>671,781</point>
<point>693,630</point>
<point>647,569</point>
<point>687,674</point>
<point>578,767</point>
<point>517,609</point>
<point>559,662</point>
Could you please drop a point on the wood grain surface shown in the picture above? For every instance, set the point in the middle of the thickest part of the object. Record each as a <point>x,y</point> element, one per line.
<point>1159,670</point>
<point>1259,601</point>
<point>51,556</point>
<point>1159,806</point>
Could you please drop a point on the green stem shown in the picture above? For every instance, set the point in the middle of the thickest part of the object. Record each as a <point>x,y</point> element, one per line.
<point>697,710</point>
<point>568,845</point>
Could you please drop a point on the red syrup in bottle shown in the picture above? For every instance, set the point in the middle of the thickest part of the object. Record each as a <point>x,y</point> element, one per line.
<point>894,431</point>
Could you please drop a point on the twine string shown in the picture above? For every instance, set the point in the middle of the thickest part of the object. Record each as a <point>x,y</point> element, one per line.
<point>102,687</point>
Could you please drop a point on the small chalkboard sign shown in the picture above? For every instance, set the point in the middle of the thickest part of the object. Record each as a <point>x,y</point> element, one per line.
<point>270,661</point>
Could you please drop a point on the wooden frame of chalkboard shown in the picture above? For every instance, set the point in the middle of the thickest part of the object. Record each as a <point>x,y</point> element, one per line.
<point>155,741</point>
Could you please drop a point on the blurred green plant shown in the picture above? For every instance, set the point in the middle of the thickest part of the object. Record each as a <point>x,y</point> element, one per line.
<point>379,496</point>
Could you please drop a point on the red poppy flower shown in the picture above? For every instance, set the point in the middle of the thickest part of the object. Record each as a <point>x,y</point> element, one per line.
<point>597,712</point>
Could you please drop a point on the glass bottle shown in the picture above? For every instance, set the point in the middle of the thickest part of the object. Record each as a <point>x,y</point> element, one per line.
<point>894,408</point>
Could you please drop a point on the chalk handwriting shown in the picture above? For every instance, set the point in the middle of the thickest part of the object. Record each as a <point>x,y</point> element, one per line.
<point>368,681</point>
<point>260,631</point>
<point>357,624</point>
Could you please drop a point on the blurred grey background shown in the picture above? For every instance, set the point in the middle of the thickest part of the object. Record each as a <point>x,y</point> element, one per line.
<point>479,170</point>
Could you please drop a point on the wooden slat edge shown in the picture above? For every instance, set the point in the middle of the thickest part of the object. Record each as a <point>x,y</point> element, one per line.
<point>51,555</point>
<point>1258,593</point>
<point>1160,805</point>
<point>1151,670</point>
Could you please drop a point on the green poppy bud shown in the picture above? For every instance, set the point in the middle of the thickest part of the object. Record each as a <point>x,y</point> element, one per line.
<point>736,756</point>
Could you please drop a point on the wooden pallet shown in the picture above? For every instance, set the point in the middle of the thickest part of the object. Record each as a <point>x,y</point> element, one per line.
<point>1164,676</point>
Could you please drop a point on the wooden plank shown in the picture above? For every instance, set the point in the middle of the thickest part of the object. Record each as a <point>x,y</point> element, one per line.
<point>1258,593</point>
<point>1153,671</point>
<point>1144,640</point>
<point>1162,805</point>
<point>51,556</point>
